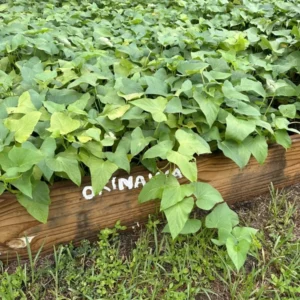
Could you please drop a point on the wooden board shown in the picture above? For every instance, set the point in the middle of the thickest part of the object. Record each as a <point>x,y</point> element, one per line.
<point>73,218</point>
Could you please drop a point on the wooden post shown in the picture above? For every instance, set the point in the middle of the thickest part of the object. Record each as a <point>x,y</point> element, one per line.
<point>73,218</point>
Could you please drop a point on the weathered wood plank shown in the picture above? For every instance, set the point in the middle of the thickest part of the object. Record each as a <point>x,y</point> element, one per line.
<point>73,218</point>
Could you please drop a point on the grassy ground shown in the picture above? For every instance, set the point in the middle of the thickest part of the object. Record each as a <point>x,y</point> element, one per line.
<point>148,265</point>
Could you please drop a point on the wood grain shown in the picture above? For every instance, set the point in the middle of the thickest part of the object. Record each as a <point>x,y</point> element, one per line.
<point>72,218</point>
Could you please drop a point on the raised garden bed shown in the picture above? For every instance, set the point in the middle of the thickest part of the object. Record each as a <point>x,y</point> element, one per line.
<point>87,89</point>
<point>73,217</point>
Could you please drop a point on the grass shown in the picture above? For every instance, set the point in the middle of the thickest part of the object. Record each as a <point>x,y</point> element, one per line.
<point>146,264</point>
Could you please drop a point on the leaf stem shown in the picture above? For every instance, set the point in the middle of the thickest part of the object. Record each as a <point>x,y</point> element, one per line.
<point>269,105</point>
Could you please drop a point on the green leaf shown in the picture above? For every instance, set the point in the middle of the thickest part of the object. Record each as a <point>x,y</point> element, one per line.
<point>272,45</point>
<point>209,106</point>
<point>25,105</point>
<point>90,78</point>
<point>231,93</point>
<point>153,189</point>
<point>191,226</point>
<point>159,150</point>
<point>206,195</point>
<point>101,172</point>
<point>79,105</point>
<point>186,164</point>
<point>288,110</point>
<point>283,138</point>
<point>191,143</point>
<point>108,95</point>
<point>135,113</point>
<point>109,139</point>
<point>223,235</point>
<point>156,86</point>
<point>174,106</point>
<point>238,129</point>
<point>67,75</point>
<point>53,107</point>
<point>258,146</point>
<point>185,87</point>
<point>23,159</point>
<point>46,77</point>
<point>131,89</point>
<point>23,184</point>
<point>67,165</point>
<point>138,141</point>
<point>2,188</point>
<point>5,81</point>
<point>282,88</point>
<point>281,123</point>
<point>174,193</point>
<point>191,67</point>
<point>222,217</point>
<point>61,123</point>
<point>3,7</point>
<point>23,127</point>
<point>94,133</point>
<point>63,96</point>
<point>120,159</point>
<point>3,132</point>
<point>38,205</point>
<point>265,125</point>
<point>246,109</point>
<point>178,214</point>
<point>48,149</point>
<point>237,251</point>
<point>114,111</point>
<point>237,42</point>
<point>244,233</point>
<point>154,106</point>
<point>216,75</point>
<point>251,85</point>
<point>237,152</point>
<point>252,34</point>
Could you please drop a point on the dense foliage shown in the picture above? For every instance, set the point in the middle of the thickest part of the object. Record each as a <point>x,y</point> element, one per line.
<point>96,86</point>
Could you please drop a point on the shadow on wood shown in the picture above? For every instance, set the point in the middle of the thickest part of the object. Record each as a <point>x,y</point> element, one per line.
<point>73,218</point>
